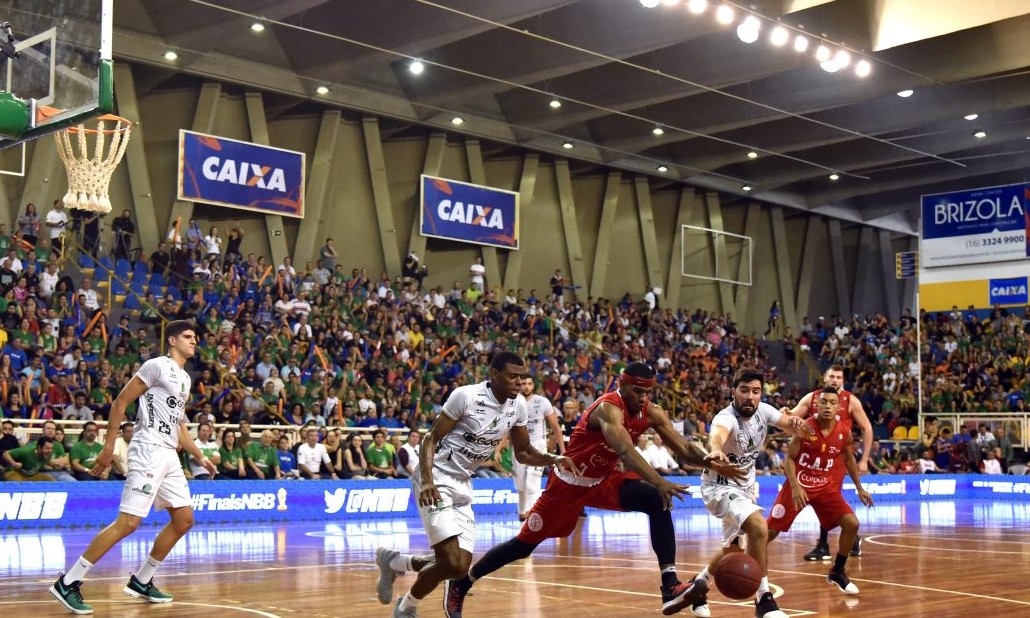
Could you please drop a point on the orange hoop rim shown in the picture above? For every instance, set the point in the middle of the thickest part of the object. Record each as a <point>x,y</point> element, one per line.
<point>45,111</point>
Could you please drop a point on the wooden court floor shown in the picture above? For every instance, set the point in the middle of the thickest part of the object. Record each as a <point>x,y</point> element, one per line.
<point>918,561</point>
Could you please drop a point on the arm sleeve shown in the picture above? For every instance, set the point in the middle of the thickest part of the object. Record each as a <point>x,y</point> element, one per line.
<point>724,420</point>
<point>772,415</point>
<point>455,405</point>
<point>521,412</point>
<point>325,455</point>
<point>149,372</point>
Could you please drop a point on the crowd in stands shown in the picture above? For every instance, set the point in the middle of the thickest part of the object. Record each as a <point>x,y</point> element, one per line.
<point>328,348</point>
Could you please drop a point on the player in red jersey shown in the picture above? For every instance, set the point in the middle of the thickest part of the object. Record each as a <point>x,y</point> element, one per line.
<point>850,412</point>
<point>811,466</point>
<point>605,435</point>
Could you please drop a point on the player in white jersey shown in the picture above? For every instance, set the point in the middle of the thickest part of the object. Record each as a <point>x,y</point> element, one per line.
<point>739,432</point>
<point>475,419</point>
<point>527,478</point>
<point>154,476</point>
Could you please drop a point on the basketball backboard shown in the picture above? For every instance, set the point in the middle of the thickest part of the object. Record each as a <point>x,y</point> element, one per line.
<point>55,65</point>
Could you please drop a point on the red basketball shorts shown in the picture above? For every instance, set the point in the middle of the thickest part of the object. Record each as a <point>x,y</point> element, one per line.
<point>829,506</point>
<point>556,512</point>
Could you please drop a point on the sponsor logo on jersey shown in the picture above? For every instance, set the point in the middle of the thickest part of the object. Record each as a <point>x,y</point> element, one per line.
<point>378,500</point>
<point>778,511</point>
<point>145,490</point>
<point>30,506</point>
<point>811,481</point>
<point>481,440</point>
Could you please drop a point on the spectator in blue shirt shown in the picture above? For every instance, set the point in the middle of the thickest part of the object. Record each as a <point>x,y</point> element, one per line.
<point>387,420</point>
<point>287,460</point>
<point>15,350</point>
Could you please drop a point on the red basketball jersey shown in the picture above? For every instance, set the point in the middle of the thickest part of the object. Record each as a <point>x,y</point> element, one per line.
<point>820,455</point>
<point>843,409</point>
<point>587,447</point>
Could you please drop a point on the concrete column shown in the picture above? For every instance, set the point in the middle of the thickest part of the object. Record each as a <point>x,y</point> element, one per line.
<point>573,245</point>
<point>381,195</point>
<point>478,176</point>
<point>136,160</point>
<point>604,233</point>
<point>203,122</point>
<point>431,167</point>
<point>259,135</point>
<point>320,174</point>
<point>527,187</point>
<point>647,233</point>
<point>840,273</point>
<point>721,256</point>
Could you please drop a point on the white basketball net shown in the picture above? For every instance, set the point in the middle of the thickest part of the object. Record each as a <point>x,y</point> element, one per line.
<point>89,177</point>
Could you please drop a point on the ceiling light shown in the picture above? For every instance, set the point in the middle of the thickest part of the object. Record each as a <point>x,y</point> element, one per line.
<point>904,94</point>
<point>748,29</point>
<point>457,121</point>
<point>663,169</point>
<point>830,66</point>
<point>834,177</point>
<point>822,53</point>
<point>650,4</point>
<point>779,36</point>
<point>752,155</point>
<point>724,15</point>
<point>697,6</point>
<point>800,43</point>
<point>257,27</point>
<point>567,145</point>
<point>843,58</point>
<point>658,131</point>
<point>863,68</point>
<point>980,134</point>
<point>416,67</point>
<point>322,90</point>
<point>971,116</point>
<point>171,55</point>
<point>555,103</point>
<point>747,187</point>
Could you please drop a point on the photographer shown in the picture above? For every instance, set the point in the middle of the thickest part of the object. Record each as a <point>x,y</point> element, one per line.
<point>124,230</point>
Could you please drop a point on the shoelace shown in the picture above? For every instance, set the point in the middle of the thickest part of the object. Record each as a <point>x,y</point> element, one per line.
<point>73,589</point>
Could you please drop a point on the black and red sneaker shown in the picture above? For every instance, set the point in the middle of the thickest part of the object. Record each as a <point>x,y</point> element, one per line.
<point>683,595</point>
<point>454,597</point>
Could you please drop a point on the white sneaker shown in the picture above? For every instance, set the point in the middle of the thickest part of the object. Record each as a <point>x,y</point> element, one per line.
<point>384,584</point>
<point>701,611</point>
<point>842,582</point>
<point>408,613</point>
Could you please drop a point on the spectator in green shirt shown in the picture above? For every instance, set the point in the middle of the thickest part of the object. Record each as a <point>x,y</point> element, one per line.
<point>231,466</point>
<point>85,452</point>
<point>25,462</point>
<point>261,458</point>
<point>380,459</point>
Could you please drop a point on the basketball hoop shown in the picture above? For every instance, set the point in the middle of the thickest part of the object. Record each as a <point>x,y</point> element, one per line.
<point>89,177</point>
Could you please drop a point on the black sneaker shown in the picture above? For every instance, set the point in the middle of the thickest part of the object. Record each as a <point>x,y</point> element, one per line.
<point>454,597</point>
<point>699,608</point>
<point>148,591</point>
<point>856,549</point>
<point>767,607</point>
<point>821,552</point>
<point>70,596</point>
<point>842,582</point>
<point>683,595</point>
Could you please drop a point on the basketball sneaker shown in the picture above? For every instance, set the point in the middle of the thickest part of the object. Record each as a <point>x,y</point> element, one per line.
<point>70,596</point>
<point>683,595</point>
<point>384,584</point>
<point>147,592</point>
<point>842,582</point>
<point>856,549</point>
<point>821,552</point>
<point>408,613</point>
<point>454,597</point>
<point>767,607</point>
<point>700,607</point>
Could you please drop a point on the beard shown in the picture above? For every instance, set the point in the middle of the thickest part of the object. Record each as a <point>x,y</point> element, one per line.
<point>746,410</point>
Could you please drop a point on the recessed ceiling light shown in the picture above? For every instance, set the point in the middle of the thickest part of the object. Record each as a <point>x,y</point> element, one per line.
<point>904,94</point>
<point>457,120</point>
<point>980,134</point>
<point>752,155</point>
<point>697,6</point>
<point>555,103</point>
<point>800,43</point>
<point>863,68</point>
<point>971,116</point>
<point>747,187</point>
<point>567,145</point>
<point>257,27</point>
<point>322,90</point>
<point>663,169</point>
<point>822,53</point>
<point>724,15</point>
<point>748,29</point>
<point>779,36</point>
<point>658,131</point>
<point>843,58</point>
<point>416,67</point>
<point>171,55</point>
<point>834,177</point>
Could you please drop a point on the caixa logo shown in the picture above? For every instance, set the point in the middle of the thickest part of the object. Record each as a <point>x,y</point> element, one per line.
<point>244,502</point>
<point>32,506</point>
<point>245,173</point>
<point>937,487</point>
<point>378,500</point>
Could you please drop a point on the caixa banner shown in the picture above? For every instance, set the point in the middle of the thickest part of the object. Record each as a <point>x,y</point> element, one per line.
<point>469,213</point>
<point>235,174</point>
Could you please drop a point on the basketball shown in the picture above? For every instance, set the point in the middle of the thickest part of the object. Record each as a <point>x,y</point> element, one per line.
<point>737,575</point>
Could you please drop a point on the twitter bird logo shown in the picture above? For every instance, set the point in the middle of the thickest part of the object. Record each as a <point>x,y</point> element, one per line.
<point>334,501</point>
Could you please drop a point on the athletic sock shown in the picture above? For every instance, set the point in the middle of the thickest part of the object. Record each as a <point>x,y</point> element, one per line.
<point>824,536</point>
<point>763,587</point>
<point>839,562</point>
<point>669,578</point>
<point>401,563</point>
<point>408,602</point>
<point>147,570</point>
<point>705,575</point>
<point>78,571</point>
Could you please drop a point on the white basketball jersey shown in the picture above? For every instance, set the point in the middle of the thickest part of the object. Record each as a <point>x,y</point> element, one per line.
<point>161,407</point>
<point>745,441</point>
<point>539,408</point>
<point>483,422</point>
